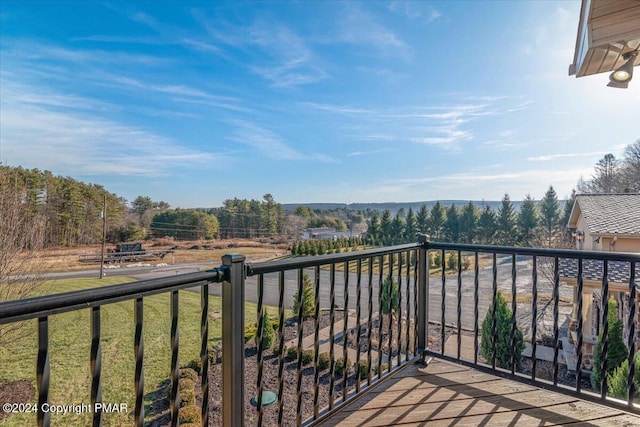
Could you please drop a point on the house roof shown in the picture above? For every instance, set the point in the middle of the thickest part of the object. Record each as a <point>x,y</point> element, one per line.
<point>608,214</point>
<point>606,31</point>
<point>618,271</point>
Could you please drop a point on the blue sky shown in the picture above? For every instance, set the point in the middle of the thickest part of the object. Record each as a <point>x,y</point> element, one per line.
<point>197,102</point>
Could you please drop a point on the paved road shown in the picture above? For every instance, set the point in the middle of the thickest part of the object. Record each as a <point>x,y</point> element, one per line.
<point>485,279</point>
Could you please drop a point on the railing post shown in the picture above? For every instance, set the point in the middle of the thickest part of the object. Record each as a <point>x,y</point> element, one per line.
<point>423,296</point>
<point>233,340</point>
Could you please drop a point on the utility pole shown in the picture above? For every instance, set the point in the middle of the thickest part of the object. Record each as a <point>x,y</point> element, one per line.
<point>103,214</point>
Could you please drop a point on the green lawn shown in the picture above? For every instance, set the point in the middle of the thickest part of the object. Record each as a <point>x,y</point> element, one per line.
<point>69,349</point>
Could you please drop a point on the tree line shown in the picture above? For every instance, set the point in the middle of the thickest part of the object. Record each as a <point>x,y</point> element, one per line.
<point>535,224</point>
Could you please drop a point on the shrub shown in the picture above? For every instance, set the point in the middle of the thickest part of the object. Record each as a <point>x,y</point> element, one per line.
<point>616,353</point>
<point>452,261</point>
<point>276,350</point>
<point>340,367</point>
<point>186,384</point>
<point>250,332</point>
<point>307,357</point>
<point>292,352</point>
<point>187,398</point>
<point>189,414</point>
<point>323,361</point>
<point>389,305</point>
<point>363,369</point>
<point>195,365</point>
<point>503,327</point>
<point>617,383</point>
<point>268,334</point>
<point>189,373</point>
<point>466,263</point>
<point>308,302</point>
<point>383,367</point>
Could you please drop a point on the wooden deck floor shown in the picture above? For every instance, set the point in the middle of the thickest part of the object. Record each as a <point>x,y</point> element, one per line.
<point>446,394</point>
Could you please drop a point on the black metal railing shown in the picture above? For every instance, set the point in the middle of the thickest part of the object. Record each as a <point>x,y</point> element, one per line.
<point>374,310</point>
<point>366,316</point>
<point>523,273</point>
<point>41,308</point>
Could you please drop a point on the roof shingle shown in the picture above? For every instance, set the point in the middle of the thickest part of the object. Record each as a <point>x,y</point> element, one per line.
<point>611,213</point>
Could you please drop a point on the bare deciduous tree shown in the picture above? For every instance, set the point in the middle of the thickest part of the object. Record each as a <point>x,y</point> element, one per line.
<point>22,229</point>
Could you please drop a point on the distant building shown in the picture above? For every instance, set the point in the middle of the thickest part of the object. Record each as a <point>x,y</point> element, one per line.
<point>312,233</point>
<point>327,233</point>
<point>602,222</point>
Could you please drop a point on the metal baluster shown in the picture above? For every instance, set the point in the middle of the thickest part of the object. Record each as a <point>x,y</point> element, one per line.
<point>96,366</point>
<point>408,315</point>
<point>358,321</point>
<point>332,314</point>
<point>442,303</point>
<point>345,332</point>
<point>43,371</point>
<point>301,309</point>
<point>138,347</point>
<point>534,316</point>
<point>389,307</point>
<point>579,327</point>
<point>494,313</point>
<point>400,308</point>
<point>416,316</point>
<point>380,314</point>
<point>556,302</point>
<point>370,318</point>
<point>605,330</point>
<point>280,346</point>
<point>422,298</point>
<point>459,307</point>
<point>476,314</point>
<point>631,338</point>
<point>316,347</point>
<point>204,353</point>
<point>514,307</point>
<point>175,345</point>
<point>259,336</point>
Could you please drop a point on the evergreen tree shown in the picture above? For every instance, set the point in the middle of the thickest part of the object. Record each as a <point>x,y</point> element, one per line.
<point>437,217</point>
<point>422,219</point>
<point>468,223</point>
<point>503,328</point>
<point>452,225</point>
<point>527,221</point>
<point>506,230</point>
<point>308,300</point>
<point>568,207</point>
<point>373,231</point>
<point>487,225</point>
<point>397,230</point>
<point>410,227</point>
<point>550,218</point>
<point>386,229</point>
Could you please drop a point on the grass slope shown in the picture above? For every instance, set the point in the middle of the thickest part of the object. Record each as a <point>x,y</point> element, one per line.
<point>69,349</point>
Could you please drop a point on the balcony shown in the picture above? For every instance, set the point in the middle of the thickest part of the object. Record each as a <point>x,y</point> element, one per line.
<point>416,336</point>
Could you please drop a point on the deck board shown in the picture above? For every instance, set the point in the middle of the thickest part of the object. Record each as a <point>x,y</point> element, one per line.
<point>445,393</point>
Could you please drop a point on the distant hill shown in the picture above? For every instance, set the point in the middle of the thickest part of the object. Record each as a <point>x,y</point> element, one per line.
<point>396,206</point>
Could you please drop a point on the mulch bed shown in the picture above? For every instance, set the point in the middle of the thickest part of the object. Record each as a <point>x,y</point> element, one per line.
<point>20,391</point>
<point>159,405</point>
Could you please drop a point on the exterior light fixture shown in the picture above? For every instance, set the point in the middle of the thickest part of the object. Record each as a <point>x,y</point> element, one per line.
<point>621,77</point>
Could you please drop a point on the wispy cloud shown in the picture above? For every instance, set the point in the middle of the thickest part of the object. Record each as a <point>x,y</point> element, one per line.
<point>358,26</point>
<point>444,125</point>
<point>415,10</point>
<point>37,134</point>
<point>269,144</point>
<point>368,153</point>
<point>549,157</point>
<point>280,55</point>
